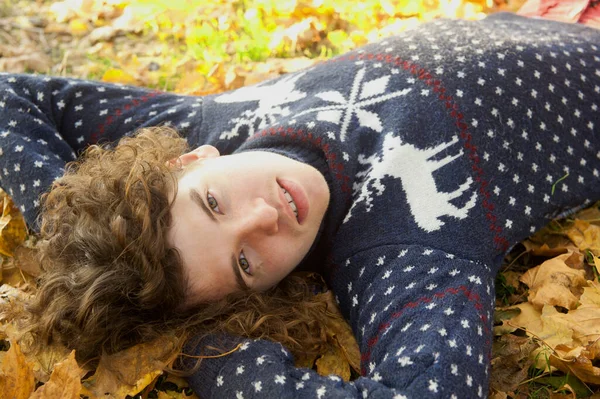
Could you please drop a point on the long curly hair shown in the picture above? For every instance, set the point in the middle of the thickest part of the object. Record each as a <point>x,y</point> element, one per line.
<point>111,281</point>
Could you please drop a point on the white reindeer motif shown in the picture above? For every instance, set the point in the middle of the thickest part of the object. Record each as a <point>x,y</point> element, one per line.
<point>414,167</point>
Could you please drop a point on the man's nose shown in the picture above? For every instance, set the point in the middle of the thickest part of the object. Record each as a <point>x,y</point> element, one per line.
<point>259,218</point>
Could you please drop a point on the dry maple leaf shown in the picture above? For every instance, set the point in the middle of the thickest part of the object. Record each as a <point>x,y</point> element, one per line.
<point>16,374</point>
<point>333,362</point>
<point>511,361</point>
<point>555,283</point>
<point>64,383</point>
<point>129,371</point>
<point>585,320</point>
<point>547,325</point>
<point>585,236</point>
<point>12,225</point>
<point>578,362</point>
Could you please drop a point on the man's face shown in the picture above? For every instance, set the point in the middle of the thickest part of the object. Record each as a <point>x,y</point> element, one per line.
<point>233,225</point>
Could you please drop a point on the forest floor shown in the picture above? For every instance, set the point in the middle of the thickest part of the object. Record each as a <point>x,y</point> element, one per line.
<point>546,329</point>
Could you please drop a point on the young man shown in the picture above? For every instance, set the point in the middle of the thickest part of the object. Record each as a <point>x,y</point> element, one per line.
<point>408,168</point>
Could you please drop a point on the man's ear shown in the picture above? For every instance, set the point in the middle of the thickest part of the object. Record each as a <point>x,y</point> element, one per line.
<point>202,152</point>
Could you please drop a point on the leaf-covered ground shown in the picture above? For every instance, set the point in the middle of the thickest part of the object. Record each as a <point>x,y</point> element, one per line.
<point>547,322</point>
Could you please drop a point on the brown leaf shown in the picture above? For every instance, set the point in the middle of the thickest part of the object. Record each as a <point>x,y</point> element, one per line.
<point>12,225</point>
<point>129,371</point>
<point>511,361</point>
<point>333,362</point>
<point>544,249</point>
<point>554,283</point>
<point>305,360</point>
<point>549,241</point>
<point>585,236</point>
<point>589,214</point>
<point>579,365</point>
<point>16,375</point>
<point>65,381</point>
<point>25,259</point>
<point>341,334</point>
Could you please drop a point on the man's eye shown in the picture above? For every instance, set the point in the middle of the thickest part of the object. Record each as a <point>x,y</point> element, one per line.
<point>244,264</point>
<point>212,203</point>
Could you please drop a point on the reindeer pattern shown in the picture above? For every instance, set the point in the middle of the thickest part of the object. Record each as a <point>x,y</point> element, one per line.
<point>415,168</point>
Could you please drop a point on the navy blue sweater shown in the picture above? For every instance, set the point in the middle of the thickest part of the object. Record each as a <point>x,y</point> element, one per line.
<point>443,147</point>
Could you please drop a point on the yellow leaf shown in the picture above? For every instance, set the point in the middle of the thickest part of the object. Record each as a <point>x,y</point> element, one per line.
<point>12,226</point>
<point>64,382</point>
<point>597,264</point>
<point>585,236</point>
<point>341,334</point>
<point>333,362</point>
<point>16,375</point>
<point>175,395</point>
<point>554,283</point>
<point>585,320</point>
<point>78,27</point>
<point>547,325</point>
<point>114,75</point>
<point>129,371</point>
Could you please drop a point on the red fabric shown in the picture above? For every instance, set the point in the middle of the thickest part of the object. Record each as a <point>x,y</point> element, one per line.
<point>591,15</point>
<point>574,11</point>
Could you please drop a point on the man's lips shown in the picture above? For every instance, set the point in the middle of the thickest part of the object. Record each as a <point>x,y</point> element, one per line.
<point>299,197</point>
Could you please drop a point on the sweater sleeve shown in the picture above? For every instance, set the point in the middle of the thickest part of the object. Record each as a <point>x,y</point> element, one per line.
<point>46,122</point>
<point>422,318</point>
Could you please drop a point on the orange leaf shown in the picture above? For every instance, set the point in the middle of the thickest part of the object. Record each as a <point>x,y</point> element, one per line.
<point>333,362</point>
<point>64,382</point>
<point>129,371</point>
<point>16,375</point>
<point>12,226</point>
<point>585,236</point>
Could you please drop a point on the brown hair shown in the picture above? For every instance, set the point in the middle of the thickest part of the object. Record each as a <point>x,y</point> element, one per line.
<point>110,280</point>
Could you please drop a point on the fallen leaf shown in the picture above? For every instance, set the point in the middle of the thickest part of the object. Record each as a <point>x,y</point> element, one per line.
<point>554,283</point>
<point>12,226</point>
<point>585,236</point>
<point>511,361</point>
<point>591,214</point>
<point>333,362</point>
<point>25,259</point>
<point>547,325</point>
<point>585,320</point>
<point>580,366</point>
<point>175,395</point>
<point>340,333</point>
<point>16,375</point>
<point>113,75</point>
<point>65,381</point>
<point>129,371</point>
<point>305,360</point>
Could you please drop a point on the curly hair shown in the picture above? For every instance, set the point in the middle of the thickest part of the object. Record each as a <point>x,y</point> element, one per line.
<point>111,281</point>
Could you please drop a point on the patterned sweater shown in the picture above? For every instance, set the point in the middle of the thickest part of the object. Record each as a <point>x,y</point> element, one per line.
<point>443,147</point>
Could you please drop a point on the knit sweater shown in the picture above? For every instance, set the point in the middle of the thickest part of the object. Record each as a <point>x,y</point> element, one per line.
<point>443,147</point>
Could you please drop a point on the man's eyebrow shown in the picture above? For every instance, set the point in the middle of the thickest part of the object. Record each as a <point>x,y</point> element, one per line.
<point>195,196</point>
<point>238,275</point>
